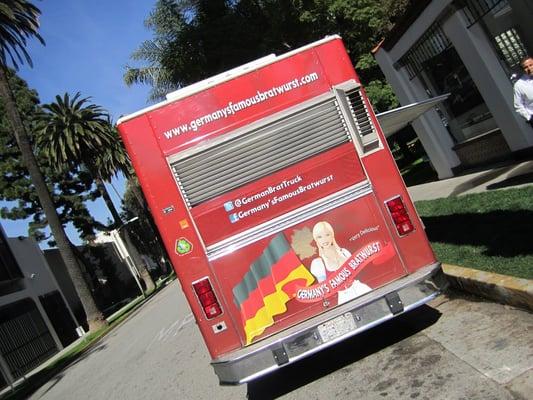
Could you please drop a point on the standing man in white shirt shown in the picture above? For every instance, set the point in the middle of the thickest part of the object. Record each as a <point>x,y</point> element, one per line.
<point>523,91</point>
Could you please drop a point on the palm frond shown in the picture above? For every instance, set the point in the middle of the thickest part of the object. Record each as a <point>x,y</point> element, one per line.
<point>19,21</point>
<point>73,131</point>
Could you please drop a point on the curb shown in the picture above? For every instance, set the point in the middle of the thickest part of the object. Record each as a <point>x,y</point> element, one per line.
<point>503,289</point>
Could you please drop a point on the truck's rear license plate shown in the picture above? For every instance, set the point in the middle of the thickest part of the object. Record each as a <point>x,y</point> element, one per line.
<point>336,327</point>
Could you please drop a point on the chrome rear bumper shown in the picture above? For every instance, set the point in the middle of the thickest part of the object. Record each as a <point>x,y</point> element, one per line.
<point>302,340</point>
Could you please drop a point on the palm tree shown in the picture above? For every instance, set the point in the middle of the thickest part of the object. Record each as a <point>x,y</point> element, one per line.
<point>71,131</point>
<point>153,74</point>
<point>19,21</point>
<point>166,19</point>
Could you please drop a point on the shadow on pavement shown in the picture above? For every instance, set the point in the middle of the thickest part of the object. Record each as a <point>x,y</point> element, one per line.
<point>479,180</point>
<point>50,377</point>
<point>301,373</point>
<point>52,382</point>
<point>512,181</point>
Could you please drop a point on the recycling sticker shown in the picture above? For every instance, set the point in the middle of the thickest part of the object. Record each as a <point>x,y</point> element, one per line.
<point>183,246</point>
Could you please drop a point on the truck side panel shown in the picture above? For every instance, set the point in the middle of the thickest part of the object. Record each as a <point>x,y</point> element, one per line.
<point>173,221</point>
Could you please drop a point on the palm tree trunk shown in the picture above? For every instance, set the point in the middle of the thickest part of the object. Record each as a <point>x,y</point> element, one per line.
<point>95,318</point>
<point>107,199</point>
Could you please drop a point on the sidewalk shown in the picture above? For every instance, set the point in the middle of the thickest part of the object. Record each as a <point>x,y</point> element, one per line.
<point>499,177</point>
<point>500,288</point>
<point>72,346</point>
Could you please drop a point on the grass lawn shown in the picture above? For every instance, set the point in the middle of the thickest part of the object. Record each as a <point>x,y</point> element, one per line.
<point>491,231</point>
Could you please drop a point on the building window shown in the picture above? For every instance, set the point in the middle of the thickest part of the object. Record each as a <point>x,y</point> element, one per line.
<point>505,24</point>
<point>510,47</point>
<point>9,268</point>
<point>466,114</point>
<point>430,45</point>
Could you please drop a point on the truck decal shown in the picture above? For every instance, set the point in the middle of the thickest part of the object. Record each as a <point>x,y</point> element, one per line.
<point>233,108</point>
<point>238,215</point>
<point>270,282</point>
<point>345,278</point>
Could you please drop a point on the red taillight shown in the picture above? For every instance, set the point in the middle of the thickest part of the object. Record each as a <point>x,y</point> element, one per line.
<point>202,287</point>
<point>400,216</point>
<point>207,298</point>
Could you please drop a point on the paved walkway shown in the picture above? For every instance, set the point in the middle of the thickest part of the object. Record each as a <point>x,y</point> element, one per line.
<point>502,177</point>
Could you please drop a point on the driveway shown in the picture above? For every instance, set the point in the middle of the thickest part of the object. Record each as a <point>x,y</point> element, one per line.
<point>456,348</point>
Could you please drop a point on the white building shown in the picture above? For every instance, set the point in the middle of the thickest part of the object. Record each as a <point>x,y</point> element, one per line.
<point>470,49</point>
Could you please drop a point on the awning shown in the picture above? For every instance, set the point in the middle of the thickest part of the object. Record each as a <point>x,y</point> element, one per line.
<point>393,120</point>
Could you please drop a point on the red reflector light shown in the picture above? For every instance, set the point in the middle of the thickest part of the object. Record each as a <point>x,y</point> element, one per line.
<point>399,215</point>
<point>206,297</point>
<point>212,311</point>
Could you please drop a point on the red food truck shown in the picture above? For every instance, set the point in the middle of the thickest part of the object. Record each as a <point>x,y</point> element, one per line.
<point>278,199</point>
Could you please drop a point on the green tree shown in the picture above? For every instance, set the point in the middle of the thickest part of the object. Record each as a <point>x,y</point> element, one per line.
<point>362,24</point>
<point>72,131</point>
<point>71,189</point>
<point>196,39</point>
<point>144,233</point>
<point>18,22</point>
<point>166,19</point>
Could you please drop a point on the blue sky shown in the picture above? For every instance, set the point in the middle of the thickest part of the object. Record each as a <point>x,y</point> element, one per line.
<point>88,45</point>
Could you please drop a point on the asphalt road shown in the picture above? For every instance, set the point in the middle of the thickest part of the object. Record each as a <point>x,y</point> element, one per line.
<point>456,348</point>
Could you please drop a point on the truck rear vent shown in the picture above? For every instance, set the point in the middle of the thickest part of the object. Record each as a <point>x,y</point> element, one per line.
<point>260,152</point>
<point>360,112</point>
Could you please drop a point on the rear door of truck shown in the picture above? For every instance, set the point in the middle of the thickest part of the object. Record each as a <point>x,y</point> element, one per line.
<point>288,216</point>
